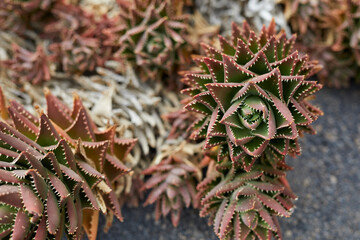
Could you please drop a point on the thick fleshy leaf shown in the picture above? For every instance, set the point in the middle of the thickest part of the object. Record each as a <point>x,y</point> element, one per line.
<point>21,226</point>
<point>32,203</point>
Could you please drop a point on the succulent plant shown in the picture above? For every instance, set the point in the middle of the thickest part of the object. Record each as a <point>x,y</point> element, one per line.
<point>245,205</point>
<point>253,95</point>
<point>77,54</point>
<point>150,35</point>
<point>19,16</point>
<point>57,171</point>
<point>30,66</point>
<point>328,31</point>
<point>173,182</point>
<point>180,121</point>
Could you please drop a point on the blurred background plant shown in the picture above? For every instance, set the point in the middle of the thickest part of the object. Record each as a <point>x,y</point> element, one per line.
<point>328,30</point>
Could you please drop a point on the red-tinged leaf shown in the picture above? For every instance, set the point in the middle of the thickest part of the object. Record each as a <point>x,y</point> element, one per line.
<point>53,213</point>
<point>183,170</point>
<point>114,168</point>
<point>219,215</point>
<point>285,202</point>
<point>9,194</point>
<point>253,42</point>
<point>50,159</point>
<point>243,53</point>
<point>211,52</point>
<point>245,204</point>
<point>21,226</point>
<point>237,226</point>
<point>229,187</point>
<point>183,190</point>
<point>165,205</point>
<point>264,214</point>
<point>154,180</point>
<point>96,152</point>
<point>245,191</point>
<point>226,47</point>
<point>67,153</point>
<point>171,192</point>
<point>250,175</point>
<point>4,127</point>
<point>262,233</point>
<point>272,204</point>
<point>155,194</point>
<point>36,164</point>
<point>122,147</point>
<point>228,215</point>
<point>89,170</point>
<point>18,144</point>
<point>175,217</point>
<point>40,184</point>
<point>216,69</point>
<point>112,202</point>
<point>59,187</point>
<point>174,180</point>
<point>72,215</point>
<point>249,219</point>
<point>31,202</point>
<point>57,111</point>
<point>235,73</point>
<point>8,153</point>
<point>265,186</point>
<point>23,125</point>
<point>223,93</point>
<point>41,232</point>
<point>21,109</point>
<point>70,173</point>
<point>8,177</point>
<point>212,193</point>
<point>82,127</point>
<point>48,135</point>
<point>90,195</point>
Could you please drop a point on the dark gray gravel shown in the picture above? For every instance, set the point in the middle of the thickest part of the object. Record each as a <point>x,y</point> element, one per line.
<point>326,179</point>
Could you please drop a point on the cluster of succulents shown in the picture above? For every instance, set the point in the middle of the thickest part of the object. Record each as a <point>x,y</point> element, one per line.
<point>149,34</point>
<point>247,104</point>
<point>58,171</point>
<point>328,31</point>
<point>253,97</point>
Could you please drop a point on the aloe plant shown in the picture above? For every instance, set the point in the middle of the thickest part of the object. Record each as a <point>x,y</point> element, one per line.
<point>253,95</point>
<point>29,66</point>
<point>173,183</point>
<point>149,34</point>
<point>245,205</point>
<point>57,171</point>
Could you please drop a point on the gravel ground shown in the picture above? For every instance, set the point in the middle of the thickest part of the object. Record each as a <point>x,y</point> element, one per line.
<point>326,179</point>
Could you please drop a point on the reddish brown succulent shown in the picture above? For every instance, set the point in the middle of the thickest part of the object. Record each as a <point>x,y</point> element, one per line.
<point>77,54</point>
<point>30,66</point>
<point>173,186</point>
<point>150,35</point>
